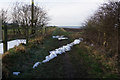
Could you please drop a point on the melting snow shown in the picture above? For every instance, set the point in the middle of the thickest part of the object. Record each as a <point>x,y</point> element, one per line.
<point>60,37</point>
<point>16,73</point>
<point>11,44</point>
<point>60,50</point>
<point>36,64</point>
<point>77,41</point>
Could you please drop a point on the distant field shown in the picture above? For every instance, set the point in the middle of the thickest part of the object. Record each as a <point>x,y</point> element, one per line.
<point>72,27</point>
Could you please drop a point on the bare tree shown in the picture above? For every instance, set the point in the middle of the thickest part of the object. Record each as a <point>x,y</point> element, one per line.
<point>3,15</point>
<point>22,15</point>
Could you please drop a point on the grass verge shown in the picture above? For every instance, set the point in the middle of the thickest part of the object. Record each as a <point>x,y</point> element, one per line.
<point>77,63</point>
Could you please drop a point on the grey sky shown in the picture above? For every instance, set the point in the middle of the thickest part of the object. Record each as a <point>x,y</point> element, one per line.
<point>63,12</point>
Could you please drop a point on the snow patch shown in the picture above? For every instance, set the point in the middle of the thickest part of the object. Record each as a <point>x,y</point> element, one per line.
<point>16,73</point>
<point>11,44</point>
<point>60,37</point>
<point>60,50</point>
<point>36,64</point>
<point>77,41</point>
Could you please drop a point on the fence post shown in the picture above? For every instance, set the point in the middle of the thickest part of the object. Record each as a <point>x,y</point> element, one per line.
<point>27,35</point>
<point>32,16</point>
<point>5,38</point>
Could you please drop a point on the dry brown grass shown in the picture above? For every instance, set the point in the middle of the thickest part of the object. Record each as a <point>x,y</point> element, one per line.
<point>49,31</point>
<point>63,30</point>
<point>108,62</point>
<point>20,49</point>
<point>5,55</point>
<point>37,40</point>
<point>5,72</point>
<point>75,35</point>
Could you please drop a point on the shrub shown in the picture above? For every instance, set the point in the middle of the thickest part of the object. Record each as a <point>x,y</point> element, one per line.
<point>102,29</point>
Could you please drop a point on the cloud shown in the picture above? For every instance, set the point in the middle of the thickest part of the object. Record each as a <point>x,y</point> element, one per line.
<point>63,12</point>
<point>71,14</point>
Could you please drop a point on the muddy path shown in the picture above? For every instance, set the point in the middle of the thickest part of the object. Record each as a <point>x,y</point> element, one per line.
<point>74,66</point>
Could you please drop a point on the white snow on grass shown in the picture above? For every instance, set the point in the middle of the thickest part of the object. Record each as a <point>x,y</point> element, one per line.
<point>16,73</point>
<point>60,37</point>
<point>12,43</point>
<point>60,50</point>
<point>36,64</point>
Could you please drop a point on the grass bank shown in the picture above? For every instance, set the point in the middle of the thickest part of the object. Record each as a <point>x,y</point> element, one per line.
<point>77,63</point>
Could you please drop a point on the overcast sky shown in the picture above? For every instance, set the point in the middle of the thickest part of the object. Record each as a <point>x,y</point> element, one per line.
<point>63,12</point>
